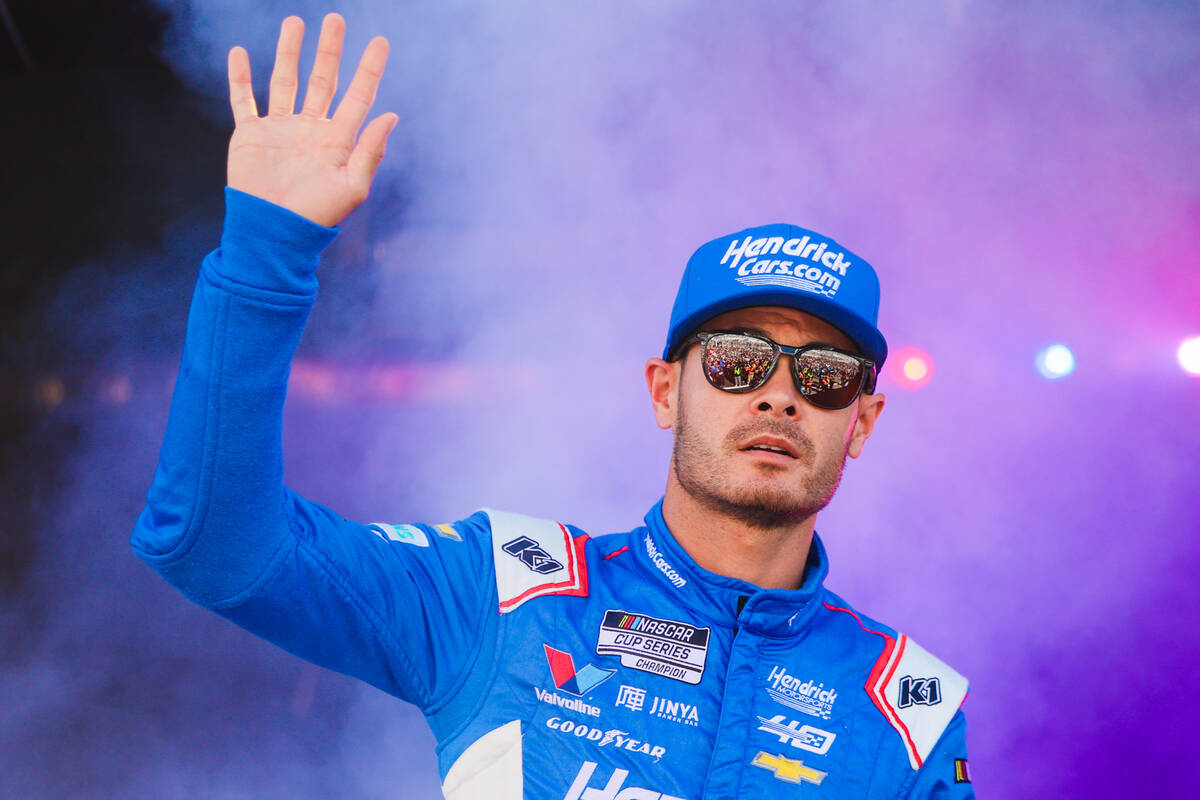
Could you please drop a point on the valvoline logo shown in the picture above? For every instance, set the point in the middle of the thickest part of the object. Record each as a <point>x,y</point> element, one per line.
<point>572,681</point>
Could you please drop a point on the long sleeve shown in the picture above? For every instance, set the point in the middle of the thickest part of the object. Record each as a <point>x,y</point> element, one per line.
<point>944,774</point>
<point>221,465</point>
<point>220,525</point>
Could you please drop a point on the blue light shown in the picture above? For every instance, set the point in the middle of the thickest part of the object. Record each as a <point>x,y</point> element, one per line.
<point>1055,361</point>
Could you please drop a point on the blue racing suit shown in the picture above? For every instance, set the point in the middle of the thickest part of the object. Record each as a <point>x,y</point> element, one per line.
<point>550,664</point>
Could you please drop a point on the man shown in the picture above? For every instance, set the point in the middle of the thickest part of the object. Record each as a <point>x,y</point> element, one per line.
<point>697,656</point>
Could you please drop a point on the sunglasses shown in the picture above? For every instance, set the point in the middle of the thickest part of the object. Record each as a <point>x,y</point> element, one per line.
<point>825,376</point>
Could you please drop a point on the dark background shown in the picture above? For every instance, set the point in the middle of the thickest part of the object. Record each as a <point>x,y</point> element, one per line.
<point>1020,174</point>
<point>102,148</point>
<point>105,150</point>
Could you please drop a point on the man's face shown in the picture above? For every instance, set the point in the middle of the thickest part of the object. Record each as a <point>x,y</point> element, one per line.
<point>726,445</point>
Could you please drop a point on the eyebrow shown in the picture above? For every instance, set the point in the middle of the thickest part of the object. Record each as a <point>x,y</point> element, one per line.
<point>749,329</point>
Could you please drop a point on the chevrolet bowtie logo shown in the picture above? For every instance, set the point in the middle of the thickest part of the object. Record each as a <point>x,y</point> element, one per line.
<point>787,769</point>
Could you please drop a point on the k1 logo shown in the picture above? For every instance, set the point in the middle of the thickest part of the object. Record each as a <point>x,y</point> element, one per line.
<point>531,555</point>
<point>919,691</point>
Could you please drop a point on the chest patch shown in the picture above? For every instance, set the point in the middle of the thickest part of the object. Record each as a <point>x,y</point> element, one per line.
<point>663,647</point>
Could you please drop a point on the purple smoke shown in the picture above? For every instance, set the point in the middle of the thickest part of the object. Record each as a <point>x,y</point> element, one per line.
<point>1018,175</point>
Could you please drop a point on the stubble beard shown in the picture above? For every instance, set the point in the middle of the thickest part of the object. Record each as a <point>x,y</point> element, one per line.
<point>763,505</point>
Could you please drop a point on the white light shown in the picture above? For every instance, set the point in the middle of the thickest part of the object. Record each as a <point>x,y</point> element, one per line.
<point>1189,355</point>
<point>915,369</point>
<point>911,368</point>
<point>1054,362</point>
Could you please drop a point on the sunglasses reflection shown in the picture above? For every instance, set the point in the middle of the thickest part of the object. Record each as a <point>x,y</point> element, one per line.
<point>828,379</point>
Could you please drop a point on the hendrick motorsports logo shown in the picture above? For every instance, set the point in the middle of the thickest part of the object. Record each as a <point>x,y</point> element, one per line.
<point>804,696</point>
<point>664,647</point>
<point>812,268</point>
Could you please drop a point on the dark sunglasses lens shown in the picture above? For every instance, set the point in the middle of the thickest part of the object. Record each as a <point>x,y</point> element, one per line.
<point>828,379</point>
<point>736,363</point>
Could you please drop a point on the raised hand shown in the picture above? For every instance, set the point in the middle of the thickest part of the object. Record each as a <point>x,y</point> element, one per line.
<point>312,164</point>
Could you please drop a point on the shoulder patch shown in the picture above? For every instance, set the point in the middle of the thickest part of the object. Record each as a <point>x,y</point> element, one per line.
<point>917,693</point>
<point>408,534</point>
<point>535,557</point>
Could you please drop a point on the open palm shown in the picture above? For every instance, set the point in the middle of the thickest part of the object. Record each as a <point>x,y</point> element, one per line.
<point>308,162</point>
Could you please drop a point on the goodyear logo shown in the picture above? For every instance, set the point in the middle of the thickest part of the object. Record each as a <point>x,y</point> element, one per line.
<point>620,740</point>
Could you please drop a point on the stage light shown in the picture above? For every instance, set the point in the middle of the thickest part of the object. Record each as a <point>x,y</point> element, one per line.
<point>911,368</point>
<point>1055,361</point>
<point>49,393</point>
<point>1189,355</point>
<point>117,390</point>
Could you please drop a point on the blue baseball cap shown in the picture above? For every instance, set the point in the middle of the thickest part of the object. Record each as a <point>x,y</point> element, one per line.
<point>780,265</point>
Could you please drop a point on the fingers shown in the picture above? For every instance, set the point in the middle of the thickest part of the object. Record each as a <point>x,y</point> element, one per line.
<point>284,80</point>
<point>322,83</point>
<point>367,154</point>
<point>360,95</point>
<point>241,90</point>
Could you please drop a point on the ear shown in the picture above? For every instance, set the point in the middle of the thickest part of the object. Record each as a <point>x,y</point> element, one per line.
<point>870,406</point>
<point>662,379</point>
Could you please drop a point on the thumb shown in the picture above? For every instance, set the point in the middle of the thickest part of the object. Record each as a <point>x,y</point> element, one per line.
<point>367,154</point>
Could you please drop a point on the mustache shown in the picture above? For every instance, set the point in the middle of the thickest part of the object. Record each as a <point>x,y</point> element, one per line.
<point>771,427</point>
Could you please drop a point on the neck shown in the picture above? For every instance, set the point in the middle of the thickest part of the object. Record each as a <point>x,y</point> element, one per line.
<point>772,558</point>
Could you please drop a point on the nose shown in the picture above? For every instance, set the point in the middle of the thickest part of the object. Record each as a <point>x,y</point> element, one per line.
<point>778,394</point>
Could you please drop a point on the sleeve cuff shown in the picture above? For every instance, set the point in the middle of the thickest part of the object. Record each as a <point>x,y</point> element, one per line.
<point>268,247</point>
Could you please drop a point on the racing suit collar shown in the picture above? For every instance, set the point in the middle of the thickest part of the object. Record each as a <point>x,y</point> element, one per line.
<point>725,601</point>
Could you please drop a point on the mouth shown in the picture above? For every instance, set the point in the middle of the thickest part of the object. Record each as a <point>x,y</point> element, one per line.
<point>771,444</point>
